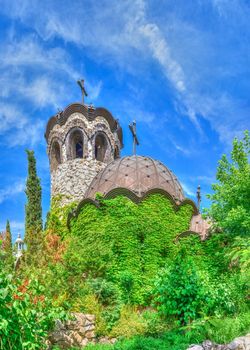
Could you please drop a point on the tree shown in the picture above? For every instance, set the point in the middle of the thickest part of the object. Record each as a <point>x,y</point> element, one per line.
<point>8,239</point>
<point>230,209</point>
<point>8,245</point>
<point>33,210</point>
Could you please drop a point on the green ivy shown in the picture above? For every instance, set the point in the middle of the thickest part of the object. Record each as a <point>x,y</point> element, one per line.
<point>126,243</point>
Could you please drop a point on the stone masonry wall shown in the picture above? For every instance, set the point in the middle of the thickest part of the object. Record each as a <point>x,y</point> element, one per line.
<point>241,343</point>
<point>80,331</point>
<point>77,332</point>
<point>72,178</point>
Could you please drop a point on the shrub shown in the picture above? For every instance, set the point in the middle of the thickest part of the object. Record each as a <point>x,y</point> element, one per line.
<point>130,323</point>
<point>178,291</point>
<point>106,292</point>
<point>155,325</point>
<point>26,315</point>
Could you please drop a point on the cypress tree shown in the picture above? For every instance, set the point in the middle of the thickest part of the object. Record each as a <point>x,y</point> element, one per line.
<point>8,246</point>
<point>8,239</point>
<point>33,211</point>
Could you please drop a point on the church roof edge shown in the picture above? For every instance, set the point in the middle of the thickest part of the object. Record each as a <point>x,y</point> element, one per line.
<point>89,112</point>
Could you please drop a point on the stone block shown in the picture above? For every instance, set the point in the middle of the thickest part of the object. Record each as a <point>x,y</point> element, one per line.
<point>90,334</point>
<point>195,347</point>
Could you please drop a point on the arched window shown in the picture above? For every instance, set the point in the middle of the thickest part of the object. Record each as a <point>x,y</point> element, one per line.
<point>100,147</point>
<point>55,155</point>
<point>116,153</point>
<point>76,144</point>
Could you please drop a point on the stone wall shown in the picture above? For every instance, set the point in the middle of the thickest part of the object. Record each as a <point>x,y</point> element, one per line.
<point>77,332</point>
<point>80,331</point>
<point>72,178</point>
<point>241,343</point>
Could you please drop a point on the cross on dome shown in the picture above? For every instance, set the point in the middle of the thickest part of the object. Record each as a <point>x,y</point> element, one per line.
<point>132,128</point>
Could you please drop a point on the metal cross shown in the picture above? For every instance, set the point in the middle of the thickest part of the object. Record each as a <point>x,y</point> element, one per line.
<point>132,128</point>
<point>198,196</point>
<point>84,92</point>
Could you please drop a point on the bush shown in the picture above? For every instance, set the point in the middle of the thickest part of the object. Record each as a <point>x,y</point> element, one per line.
<point>155,325</point>
<point>185,291</point>
<point>178,291</point>
<point>26,315</point>
<point>130,323</point>
<point>106,292</point>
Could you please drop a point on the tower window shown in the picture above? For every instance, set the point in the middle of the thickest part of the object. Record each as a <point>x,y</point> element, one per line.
<point>116,153</point>
<point>79,149</point>
<point>76,144</point>
<point>55,155</point>
<point>100,147</point>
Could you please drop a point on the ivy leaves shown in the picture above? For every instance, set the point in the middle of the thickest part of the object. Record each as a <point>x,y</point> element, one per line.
<point>126,239</point>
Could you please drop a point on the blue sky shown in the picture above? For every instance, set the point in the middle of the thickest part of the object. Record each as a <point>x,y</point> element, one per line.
<point>180,68</point>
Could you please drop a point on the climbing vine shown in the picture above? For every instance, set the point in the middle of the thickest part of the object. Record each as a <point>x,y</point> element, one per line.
<point>127,243</point>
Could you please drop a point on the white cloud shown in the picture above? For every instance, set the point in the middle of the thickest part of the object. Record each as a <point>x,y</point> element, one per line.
<point>185,151</point>
<point>188,191</point>
<point>22,129</point>
<point>94,90</point>
<point>12,190</point>
<point>30,72</point>
<point>28,52</point>
<point>127,33</point>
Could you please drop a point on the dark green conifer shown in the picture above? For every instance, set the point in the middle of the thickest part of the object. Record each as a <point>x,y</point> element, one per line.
<point>33,211</point>
<point>8,239</point>
<point>8,251</point>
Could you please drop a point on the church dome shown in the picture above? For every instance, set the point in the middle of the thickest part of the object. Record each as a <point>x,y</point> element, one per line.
<point>137,175</point>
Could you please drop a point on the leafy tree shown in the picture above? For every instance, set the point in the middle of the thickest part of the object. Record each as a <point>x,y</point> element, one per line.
<point>33,210</point>
<point>230,207</point>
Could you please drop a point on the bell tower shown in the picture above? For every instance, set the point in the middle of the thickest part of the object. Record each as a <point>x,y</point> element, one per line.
<point>81,141</point>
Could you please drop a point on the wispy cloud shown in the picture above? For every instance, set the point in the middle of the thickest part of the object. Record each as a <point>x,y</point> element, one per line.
<point>186,53</point>
<point>12,190</point>
<point>23,130</point>
<point>31,72</point>
<point>188,191</point>
<point>184,150</point>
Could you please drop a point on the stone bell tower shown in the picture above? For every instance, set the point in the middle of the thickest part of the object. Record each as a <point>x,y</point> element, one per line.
<point>81,141</point>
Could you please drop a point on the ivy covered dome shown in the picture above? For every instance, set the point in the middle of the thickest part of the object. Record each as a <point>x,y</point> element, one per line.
<point>137,175</point>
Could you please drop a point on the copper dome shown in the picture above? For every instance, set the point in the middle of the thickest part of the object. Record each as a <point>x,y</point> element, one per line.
<point>137,174</point>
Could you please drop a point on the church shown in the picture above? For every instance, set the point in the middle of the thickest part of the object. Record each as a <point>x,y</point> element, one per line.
<point>84,148</point>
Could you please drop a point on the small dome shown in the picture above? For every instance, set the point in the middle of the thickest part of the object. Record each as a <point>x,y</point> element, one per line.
<point>137,174</point>
<point>19,239</point>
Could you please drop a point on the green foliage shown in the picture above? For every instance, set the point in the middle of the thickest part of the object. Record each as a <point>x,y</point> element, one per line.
<point>126,243</point>
<point>230,207</point>
<point>224,330</point>
<point>33,211</point>
<point>57,216</point>
<point>178,291</point>
<point>26,315</point>
<point>219,330</point>
<point>129,324</point>
<point>155,325</point>
<point>7,251</point>
<point>106,292</point>
<point>8,239</point>
<point>188,289</point>
<point>174,340</point>
<point>239,255</point>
